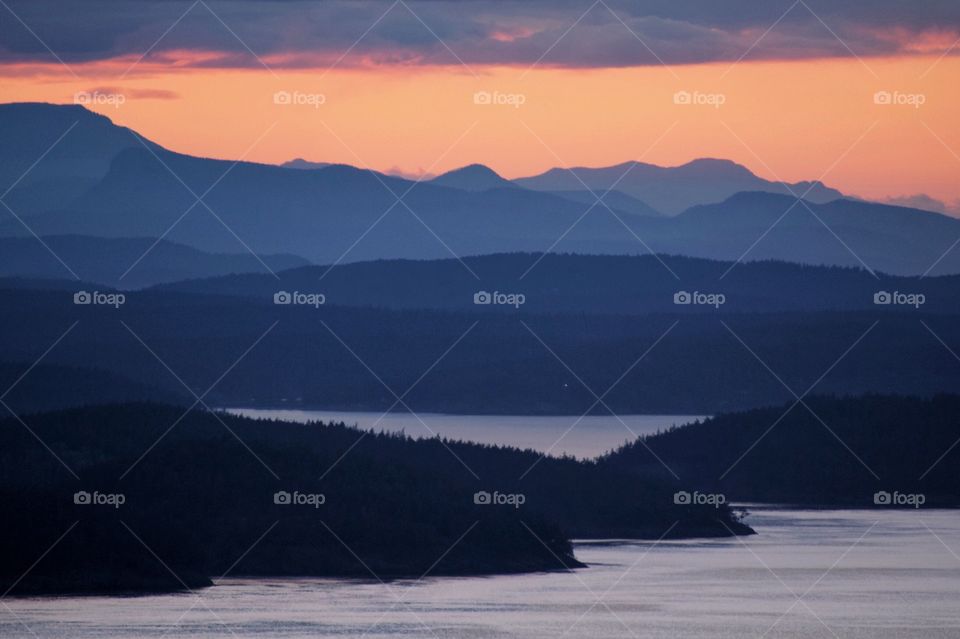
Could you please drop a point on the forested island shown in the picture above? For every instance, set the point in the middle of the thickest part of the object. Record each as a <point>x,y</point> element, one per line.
<point>148,498</point>
<point>825,451</point>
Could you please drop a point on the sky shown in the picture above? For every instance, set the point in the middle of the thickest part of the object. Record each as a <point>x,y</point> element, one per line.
<point>863,96</point>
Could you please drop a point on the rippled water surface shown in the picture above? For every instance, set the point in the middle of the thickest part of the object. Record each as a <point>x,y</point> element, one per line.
<point>869,574</point>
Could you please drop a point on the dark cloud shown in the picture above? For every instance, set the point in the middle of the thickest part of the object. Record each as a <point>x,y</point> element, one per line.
<point>295,33</point>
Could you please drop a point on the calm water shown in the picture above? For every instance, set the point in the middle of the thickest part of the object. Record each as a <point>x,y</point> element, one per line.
<point>589,437</point>
<point>899,581</point>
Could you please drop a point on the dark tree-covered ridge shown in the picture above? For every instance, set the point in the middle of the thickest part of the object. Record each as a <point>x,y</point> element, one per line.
<point>322,499</point>
<point>828,451</point>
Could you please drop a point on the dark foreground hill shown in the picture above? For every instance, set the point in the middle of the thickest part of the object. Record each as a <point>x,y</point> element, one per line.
<point>837,452</point>
<point>140,497</point>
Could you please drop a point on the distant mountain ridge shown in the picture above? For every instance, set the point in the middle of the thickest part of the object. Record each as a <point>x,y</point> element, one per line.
<point>340,213</point>
<point>77,147</point>
<point>473,177</point>
<point>300,163</point>
<point>127,263</point>
<point>672,190</point>
<point>601,285</point>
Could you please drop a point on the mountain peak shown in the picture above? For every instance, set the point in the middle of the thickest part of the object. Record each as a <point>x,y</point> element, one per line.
<point>300,163</point>
<point>473,177</point>
<point>716,168</point>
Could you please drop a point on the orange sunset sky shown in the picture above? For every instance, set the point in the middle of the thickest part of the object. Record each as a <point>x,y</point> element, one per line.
<point>799,119</point>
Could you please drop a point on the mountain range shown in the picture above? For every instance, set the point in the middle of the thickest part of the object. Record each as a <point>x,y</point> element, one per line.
<point>92,178</point>
<point>127,263</point>
<point>672,190</point>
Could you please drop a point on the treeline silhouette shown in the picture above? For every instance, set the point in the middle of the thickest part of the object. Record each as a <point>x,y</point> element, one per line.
<point>588,284</point>
<point>323,357</point>
<point>839,452</point>
<point>200,497</point>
